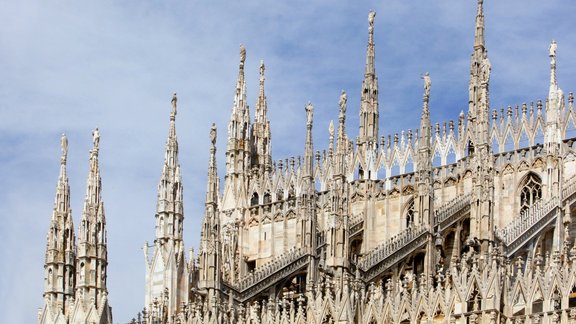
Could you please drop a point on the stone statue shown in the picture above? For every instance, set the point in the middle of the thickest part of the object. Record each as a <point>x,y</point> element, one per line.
<point>331,129</point>
<point>309,112</point>
<point>342,101</point>
<point>427,84</point>
<point>371,16</point>
<point>213,134</point>
<point>64,145</point>
<point>242,53</point>
<point>553,48</point>
<point>96,137</point>
<point>485,68</point>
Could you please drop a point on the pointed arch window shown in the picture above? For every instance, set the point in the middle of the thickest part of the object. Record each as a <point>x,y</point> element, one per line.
<point>254,200</point>
<point>531,192</point>
<point>409,213</point>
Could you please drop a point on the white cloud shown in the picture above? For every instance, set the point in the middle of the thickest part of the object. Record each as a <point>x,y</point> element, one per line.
<point>71,66</point>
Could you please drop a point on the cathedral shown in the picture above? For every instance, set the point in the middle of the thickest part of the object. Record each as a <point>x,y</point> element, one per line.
<point>465,221</point>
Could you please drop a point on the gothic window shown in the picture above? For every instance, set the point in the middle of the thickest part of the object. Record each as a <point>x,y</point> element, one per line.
<point>409,213</point>
<point>254,200</point>
<point>531,192</point>
<point>267,198</point>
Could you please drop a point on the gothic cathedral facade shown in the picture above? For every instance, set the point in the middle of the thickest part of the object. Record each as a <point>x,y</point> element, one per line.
<point>485,235</point>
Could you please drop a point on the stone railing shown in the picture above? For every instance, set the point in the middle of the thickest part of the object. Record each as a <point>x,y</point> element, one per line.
<point>527,221</point>
<point>443,213</point>
<point>569,187</point>
<point>391,246</point>
<point>269,268</point>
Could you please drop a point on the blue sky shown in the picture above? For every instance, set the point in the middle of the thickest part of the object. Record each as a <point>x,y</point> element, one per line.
<point>71,66</point>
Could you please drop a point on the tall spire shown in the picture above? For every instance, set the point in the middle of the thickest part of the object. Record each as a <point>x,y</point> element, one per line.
<point>169,208</point>
<point>260,141</point>
<point>342,141</point>
<point>309,148</point>
<point>424,172</point>
<point>167,272</point>
<point>59,264</point>
<point>479,33</point>
<point>553,79</point>
<point>481,210</point>
<point>92,259</point>
<point>369,98</point>
<point>213,181</point>
<point>480,69</point>
<point>238,149</point>
<point>209,273</point>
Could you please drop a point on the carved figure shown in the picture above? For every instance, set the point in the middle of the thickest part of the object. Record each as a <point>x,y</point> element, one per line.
<point>242,53</point>
<point>96,137</point>
<point>427,84</point>
<point>485,68</point>
<point>342,101</point>
<point>309,112</point>
<point>64,145</point>
<point>553,48</point>
<point>213,134</point>
<point>371,16</point>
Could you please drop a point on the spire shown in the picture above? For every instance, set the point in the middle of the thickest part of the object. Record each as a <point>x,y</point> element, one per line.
<point>239,148</point>
<point>342,141</point>
<point>425,129</point>
<point>369,98</point>
<point>238,127</point>
<point>213,181</point>
<point>260,141</point>
<point>209,245</point>
<point>59,264</point>
<point>553,80</point>
<point>169,208</point>
<point>480,69</point>
<point>309,151</point>
<point>479,34</point>
<point>92,246</point>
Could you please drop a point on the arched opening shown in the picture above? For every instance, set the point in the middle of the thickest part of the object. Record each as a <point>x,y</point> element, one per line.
<point>254,199</point>
<point>293,287</point>
<point>474,300</point>
<point>572,297</point>
<point>267,198</point>
<point>449,246</point>
<point>519,305</point>
<point>530,192</point>
<point>409,214</point>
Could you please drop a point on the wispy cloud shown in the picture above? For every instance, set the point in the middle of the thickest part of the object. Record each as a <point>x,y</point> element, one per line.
<point>71,66</point>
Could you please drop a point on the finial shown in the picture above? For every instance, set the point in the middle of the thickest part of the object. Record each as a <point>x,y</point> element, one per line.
<point>331,129</point>
<point>95,138</point>
<point>427,84</point>
<point>309,112</point>
<point>213,134</point>
<point>242,54</point>
<point>64,147</point>
<point>553,48</point>
<point>262,68</point>
<point>342,102</point>
<point>174,101</point>
<point>371,16</point>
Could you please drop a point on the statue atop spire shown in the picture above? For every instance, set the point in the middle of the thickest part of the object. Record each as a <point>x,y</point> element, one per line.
<point>552,54</point>
<point>427,84</point>
<point>174,102</point>
<point>96,138</point>
<point>369,113</point>
<point>309,113</point>
<point>64,147</point>
<point>242,54</point>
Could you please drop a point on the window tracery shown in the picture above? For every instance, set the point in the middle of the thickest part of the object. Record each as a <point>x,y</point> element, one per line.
<point>531,192</point>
